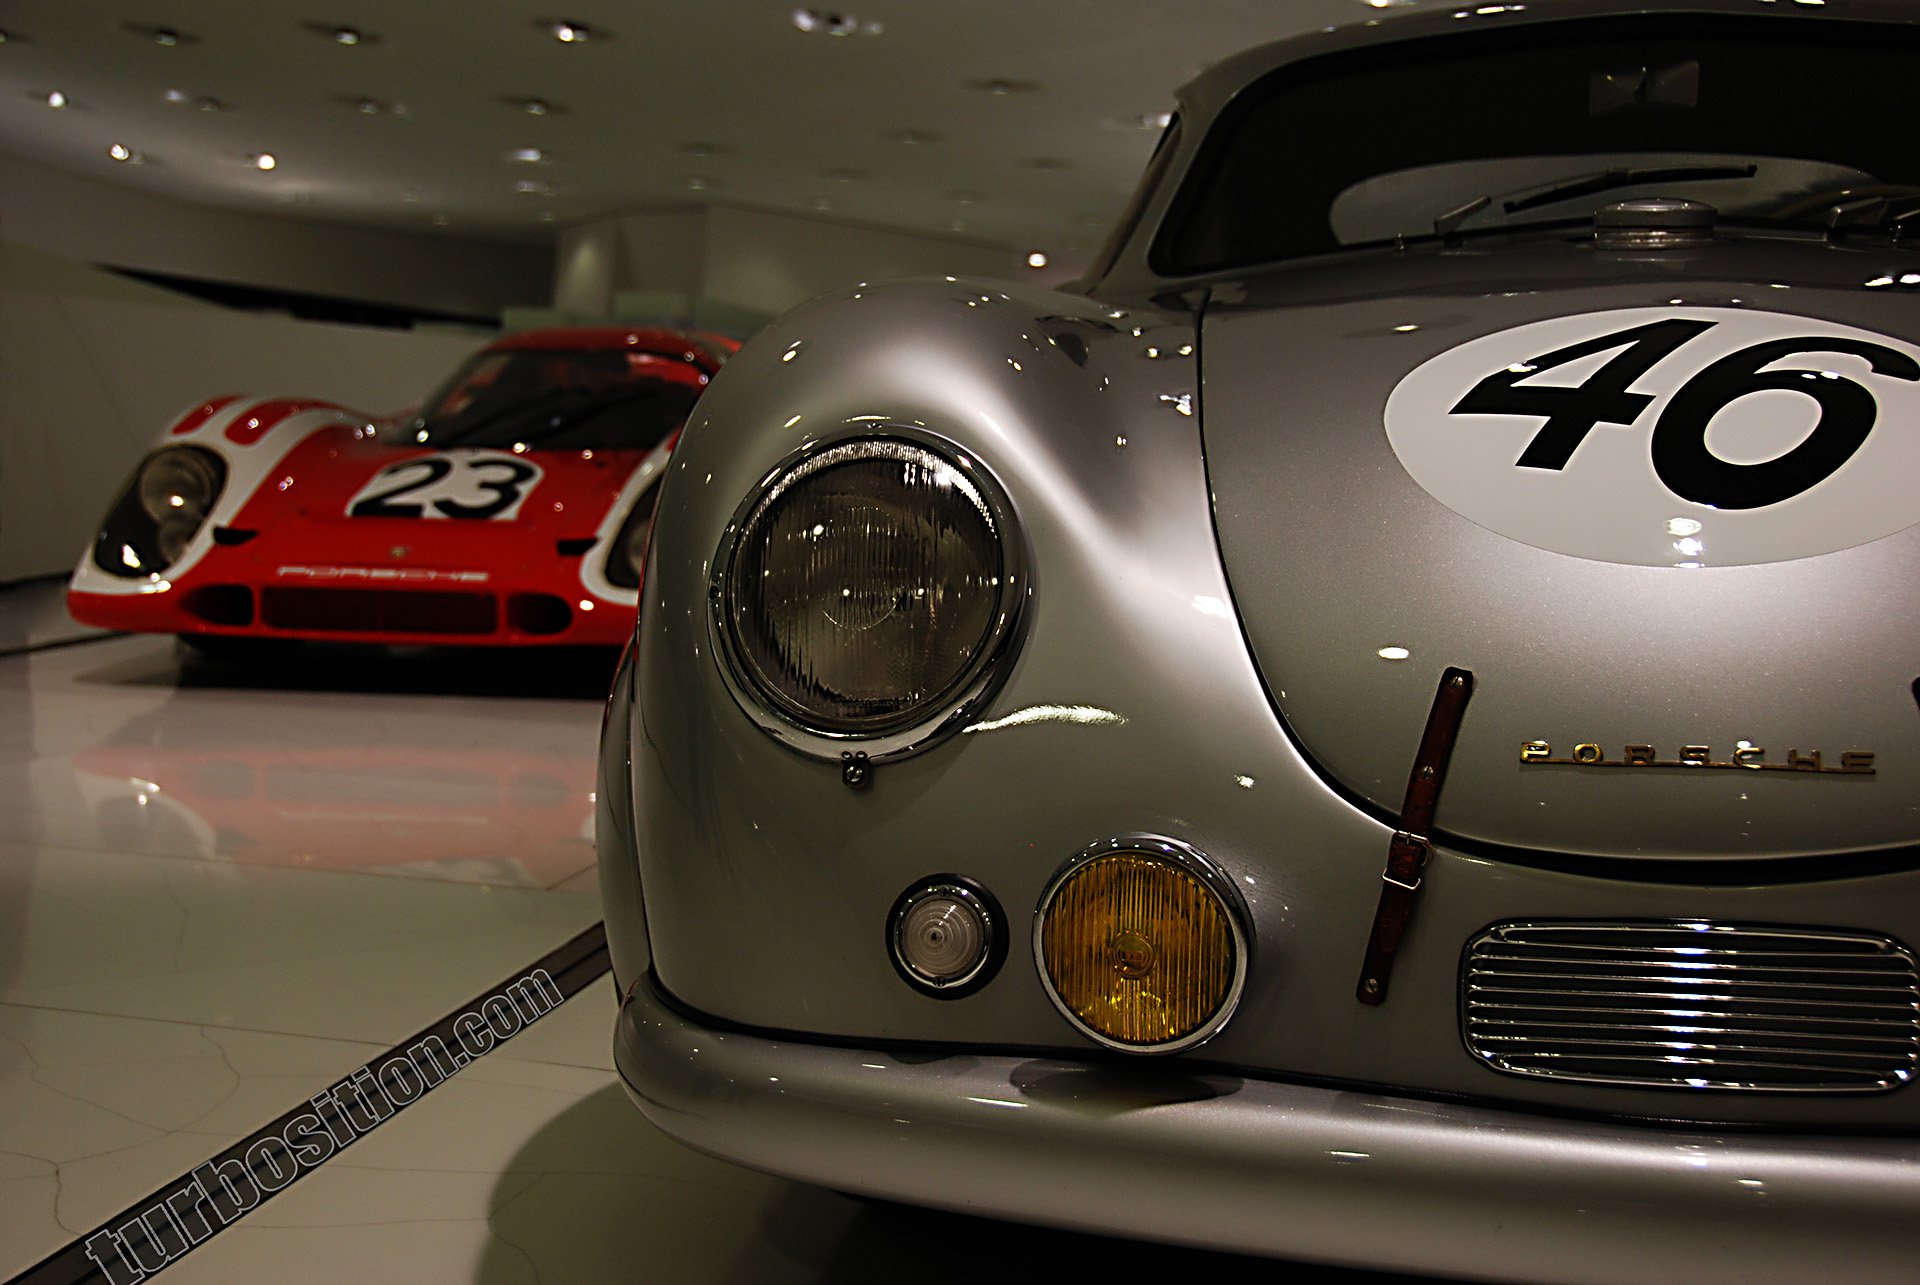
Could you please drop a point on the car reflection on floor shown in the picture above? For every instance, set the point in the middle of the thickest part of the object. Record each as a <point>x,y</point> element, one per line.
<point>414,790</point>
<point>474,814</point>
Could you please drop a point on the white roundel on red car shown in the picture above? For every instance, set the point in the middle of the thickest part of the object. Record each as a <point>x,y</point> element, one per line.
<point>466,482</point>
<point>1670,436</point>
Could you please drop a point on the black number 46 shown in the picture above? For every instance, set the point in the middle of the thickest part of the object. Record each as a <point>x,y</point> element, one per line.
<point>1680,454</point>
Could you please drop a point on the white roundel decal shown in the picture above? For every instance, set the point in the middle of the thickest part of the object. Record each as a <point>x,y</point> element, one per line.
<point>1670,436</point>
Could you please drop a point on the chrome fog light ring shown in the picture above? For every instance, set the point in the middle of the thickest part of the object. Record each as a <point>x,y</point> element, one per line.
<point>1204,873</point>
<point>741,643</point>
<point>947,900</point>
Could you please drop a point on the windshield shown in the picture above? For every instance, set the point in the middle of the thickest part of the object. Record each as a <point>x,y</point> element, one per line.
<point>1765,119</point>
<point>550,399</point>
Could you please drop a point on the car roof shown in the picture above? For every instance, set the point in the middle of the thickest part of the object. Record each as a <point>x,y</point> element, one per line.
<point>650,339</point>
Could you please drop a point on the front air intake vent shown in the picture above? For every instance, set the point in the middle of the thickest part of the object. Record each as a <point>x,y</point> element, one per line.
<point>1693,1005</point>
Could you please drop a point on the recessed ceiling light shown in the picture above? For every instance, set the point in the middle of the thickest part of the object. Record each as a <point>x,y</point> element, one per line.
<point>1145,120</point>
<point>822,203</point>
<point>165,36</point>
<point>57,100</point>
<point>533,187</point>
<point>568,32</point>
<point>8,37</point>
<point>262,160</point>
<point>1001,87</point>
<point>546,216</point>
<point>340,34</point>
<point>958,225</point>
<point>528,155</point>
<point>913,137</point>
<point>827,22</point>
<point>204,104</point>
<point>441,220</point>
<point>176,96</point>
<point>694,183</point>
<point>1037,259</point>
<point>698,147</point>
<point>845,176</point>
<point>371,106</point>
<point>963,198</point>
<point>124,154</point>
<point>532,106</point>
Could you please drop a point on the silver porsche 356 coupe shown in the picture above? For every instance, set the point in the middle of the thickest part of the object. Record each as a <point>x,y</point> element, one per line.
<point>1381,728</point>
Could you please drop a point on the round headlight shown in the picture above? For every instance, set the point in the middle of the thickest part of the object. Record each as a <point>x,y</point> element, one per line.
<point>173,534</point>
<point>1140,946</point>
<point>867,588</point>
<point>178,483</point>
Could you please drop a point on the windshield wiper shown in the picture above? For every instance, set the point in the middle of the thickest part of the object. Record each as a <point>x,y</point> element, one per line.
<point>1872,214</point>
<point>1528,198</point>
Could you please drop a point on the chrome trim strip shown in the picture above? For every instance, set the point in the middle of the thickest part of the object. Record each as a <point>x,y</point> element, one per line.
<point>1215,880</point>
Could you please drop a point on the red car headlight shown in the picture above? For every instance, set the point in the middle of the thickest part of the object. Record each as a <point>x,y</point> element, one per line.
<point>162,508</point>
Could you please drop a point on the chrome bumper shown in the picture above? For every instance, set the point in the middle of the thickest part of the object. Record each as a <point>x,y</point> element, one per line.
<point>1260,1166</point>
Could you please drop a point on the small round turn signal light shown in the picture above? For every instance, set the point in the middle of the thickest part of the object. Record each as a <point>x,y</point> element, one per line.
<point>945,936</point>
<point>1141,945</point>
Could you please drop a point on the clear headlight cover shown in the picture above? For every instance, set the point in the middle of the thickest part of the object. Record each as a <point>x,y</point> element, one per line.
<point>867,587</point>
<point>156,516</point>
<point>180,483</point>
<point>627,559</point>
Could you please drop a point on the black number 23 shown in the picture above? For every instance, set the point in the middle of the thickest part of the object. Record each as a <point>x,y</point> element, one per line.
<point>422,479</point>
<point>1680,454</point>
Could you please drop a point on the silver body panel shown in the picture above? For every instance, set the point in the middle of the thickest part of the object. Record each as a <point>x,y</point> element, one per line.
<point>1149,716</point>
<point>1219,541</point>
<point>1259,1166</point>
<point>1312,504</point>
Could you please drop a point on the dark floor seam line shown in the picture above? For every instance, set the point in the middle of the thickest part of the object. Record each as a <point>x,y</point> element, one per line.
<point>153,1233</point>
<point>57,643</point>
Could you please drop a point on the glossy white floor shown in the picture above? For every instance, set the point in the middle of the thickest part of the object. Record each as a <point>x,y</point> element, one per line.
<point>224,888</point>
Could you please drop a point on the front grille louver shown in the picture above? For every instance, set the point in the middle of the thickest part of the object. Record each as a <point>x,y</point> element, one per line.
<point>1693,1005</point>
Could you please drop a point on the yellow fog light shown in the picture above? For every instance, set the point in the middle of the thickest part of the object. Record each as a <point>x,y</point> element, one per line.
<point>1141,945</point>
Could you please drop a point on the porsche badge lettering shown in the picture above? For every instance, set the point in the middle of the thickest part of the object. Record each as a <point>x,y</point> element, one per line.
<point>1745,756</point>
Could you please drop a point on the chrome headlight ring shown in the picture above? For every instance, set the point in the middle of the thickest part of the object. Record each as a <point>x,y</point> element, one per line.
<point>926,466</point>
<point>1189,861</point>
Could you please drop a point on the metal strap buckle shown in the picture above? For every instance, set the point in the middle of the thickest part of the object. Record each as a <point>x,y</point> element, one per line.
<point>1419,842</point>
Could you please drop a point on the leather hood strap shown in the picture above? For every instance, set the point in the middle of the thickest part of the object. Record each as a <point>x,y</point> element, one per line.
<point>1410,849</point>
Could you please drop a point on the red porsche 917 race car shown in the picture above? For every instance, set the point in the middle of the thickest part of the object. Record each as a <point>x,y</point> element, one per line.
<point>511,509</point>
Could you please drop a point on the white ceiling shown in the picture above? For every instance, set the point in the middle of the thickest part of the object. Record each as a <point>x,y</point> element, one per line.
<point>889,129</point>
